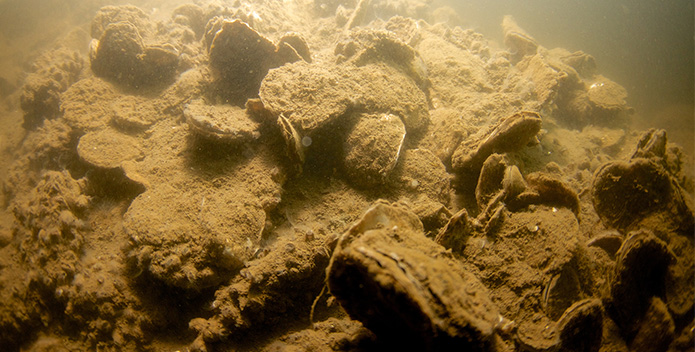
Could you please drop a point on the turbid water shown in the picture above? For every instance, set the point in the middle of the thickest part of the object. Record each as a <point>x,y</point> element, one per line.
<point>343,175</point>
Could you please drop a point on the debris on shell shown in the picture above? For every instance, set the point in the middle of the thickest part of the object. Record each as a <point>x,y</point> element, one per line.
<point>56,70</point>
<point>418,172</point>
<point>403,289</point>
<point>373,147</point>
<point>445,132</point>
<point>222,122</point>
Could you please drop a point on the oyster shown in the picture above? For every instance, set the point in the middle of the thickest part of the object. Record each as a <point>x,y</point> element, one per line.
<point>513,183</point>
<point>121,56</point>
<point>241,57</point>
<point>641,268</point>
<point>373,147</point>
<point>581,326</point>
<point>293,140</point>
<point>108,149</point>
<point>656,330</point>
<point>319,96</point>
<point>508,134</point>
<point>609,241</point>
<point>222,122</point>
<point>193,238</point>
<point>607,95</point>
<point>492,173</point>
<point>623,193</point>
<point>517,40</point>
<point>538,333</point>
<point>410,291</point>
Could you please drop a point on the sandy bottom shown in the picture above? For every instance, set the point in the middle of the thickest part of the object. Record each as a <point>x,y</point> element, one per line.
<point>333,176</point>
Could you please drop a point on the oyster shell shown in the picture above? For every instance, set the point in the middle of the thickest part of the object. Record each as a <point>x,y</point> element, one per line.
<point>581,326</point>
<point>623,193</point>
<point>517,40</point>
<point>373,147</point>
<point>240,57</point>
<point>641,268</point>
<point>108,149</point>
<point>411,293</point>
<point>222,122</point>
<point>508,134</point>
<point>121,56</point>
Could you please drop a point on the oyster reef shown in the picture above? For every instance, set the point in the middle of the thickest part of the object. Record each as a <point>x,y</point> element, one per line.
<point>334,175</point>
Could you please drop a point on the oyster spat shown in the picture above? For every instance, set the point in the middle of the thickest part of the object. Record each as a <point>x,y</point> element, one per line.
<point>411,292</point>
<point>507,135</point>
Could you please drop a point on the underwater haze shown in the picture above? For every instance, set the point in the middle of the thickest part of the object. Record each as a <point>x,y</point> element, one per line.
<point>347,175</point>
<point>647,46</point>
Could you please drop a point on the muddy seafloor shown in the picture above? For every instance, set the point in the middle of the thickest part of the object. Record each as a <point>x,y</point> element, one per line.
<point>334,175</point>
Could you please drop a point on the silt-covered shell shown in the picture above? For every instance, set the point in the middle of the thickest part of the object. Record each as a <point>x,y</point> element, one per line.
<point>411,293</point>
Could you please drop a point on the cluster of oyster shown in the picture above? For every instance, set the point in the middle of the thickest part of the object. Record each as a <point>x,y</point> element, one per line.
<point>512,269</point>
